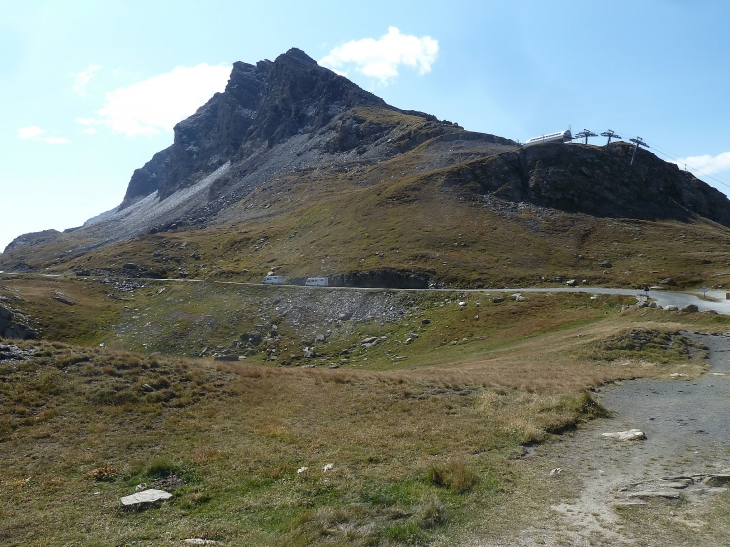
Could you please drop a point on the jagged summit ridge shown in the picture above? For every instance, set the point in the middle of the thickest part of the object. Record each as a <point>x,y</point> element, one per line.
<point>263,105</point>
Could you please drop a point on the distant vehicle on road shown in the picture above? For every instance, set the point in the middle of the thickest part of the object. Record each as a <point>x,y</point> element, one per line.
<point>560,136</point>
<point>317,281</point>
<point>274,280</point>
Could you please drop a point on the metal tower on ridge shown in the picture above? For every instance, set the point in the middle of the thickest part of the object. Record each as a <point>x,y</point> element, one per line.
<point>610,134</point>
<point>638,142</point>
<point>585,133</point>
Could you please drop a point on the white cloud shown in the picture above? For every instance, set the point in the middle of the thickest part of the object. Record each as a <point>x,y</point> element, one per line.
<point>381,58</point>
<point>706,164</point>
<point>83,78</point>
<point>30,132</point>
<point>89,131</point>
<point>55,140</point>
<point>35,133</point>
<point>155,105</point>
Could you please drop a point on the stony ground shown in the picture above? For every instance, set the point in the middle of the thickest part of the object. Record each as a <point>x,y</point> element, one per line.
<point>663,490</point>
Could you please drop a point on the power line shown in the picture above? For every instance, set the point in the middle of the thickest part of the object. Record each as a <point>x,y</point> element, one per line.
<point>677,159</point>
<point>692,167</point>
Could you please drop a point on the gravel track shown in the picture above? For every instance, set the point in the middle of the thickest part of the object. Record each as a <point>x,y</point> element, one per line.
<point>688,438</point>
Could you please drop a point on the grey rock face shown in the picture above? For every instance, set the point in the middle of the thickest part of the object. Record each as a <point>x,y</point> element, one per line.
<point>595,180</point>
<point>147,178</point>
<point>13,330</point>
<point>263,105</point>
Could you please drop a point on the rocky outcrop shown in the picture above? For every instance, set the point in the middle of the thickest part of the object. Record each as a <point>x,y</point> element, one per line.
<point>594,180</point>
<point>262,105</point>
<point>33,238</point>
<point>147,178</point>
<point>385,278</point>
<point>11,329</point>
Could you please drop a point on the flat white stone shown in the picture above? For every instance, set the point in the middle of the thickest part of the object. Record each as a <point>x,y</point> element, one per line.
<point>146,496</point>
<point>630,435</point>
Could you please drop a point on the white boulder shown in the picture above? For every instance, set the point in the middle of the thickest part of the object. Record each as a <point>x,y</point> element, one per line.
<point>630,435</point>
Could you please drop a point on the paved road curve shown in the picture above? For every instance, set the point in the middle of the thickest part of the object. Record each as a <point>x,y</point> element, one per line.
<point>715,301</point>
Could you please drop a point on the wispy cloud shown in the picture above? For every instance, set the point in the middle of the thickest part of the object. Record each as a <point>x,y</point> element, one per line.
<point>706,164</point>
<point>382,58</point>
<point>155,105</point>
<point>35,133</point>
<point>83,78</point>
<point>30,132</point>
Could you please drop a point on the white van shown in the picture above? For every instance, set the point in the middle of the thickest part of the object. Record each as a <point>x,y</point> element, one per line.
<point>317,281</point>
<point>274,280</point>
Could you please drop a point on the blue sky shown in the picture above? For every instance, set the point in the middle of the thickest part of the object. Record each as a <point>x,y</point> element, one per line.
<point>90,90</point>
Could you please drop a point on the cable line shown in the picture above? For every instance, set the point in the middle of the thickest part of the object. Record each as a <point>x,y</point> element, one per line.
<point>677,160</point>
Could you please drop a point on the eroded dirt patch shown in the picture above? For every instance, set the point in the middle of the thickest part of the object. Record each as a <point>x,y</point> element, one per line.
<point>652,491</point>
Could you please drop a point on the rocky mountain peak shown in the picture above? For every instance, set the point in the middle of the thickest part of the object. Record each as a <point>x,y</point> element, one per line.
<point>297,53</point>
<point>263,105</point>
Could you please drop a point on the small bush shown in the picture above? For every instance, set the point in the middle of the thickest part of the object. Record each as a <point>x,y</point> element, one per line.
<point>455,476</point>
<point>436,475</point>
<point>105,473</point>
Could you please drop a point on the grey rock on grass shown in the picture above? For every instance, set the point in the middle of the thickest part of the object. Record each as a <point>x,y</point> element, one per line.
<point>145,497</point>
<point>630,435</point>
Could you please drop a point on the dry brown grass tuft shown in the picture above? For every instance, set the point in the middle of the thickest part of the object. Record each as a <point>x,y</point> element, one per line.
<point>104,473</point>
<point>455,476</point>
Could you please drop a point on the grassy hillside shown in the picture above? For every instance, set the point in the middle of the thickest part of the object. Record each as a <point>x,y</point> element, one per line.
<point>406,214</point>
<point>326,225</point>
<point>419,454</point>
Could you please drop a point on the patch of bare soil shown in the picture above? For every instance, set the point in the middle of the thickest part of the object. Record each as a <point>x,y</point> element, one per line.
<point>651,492</point>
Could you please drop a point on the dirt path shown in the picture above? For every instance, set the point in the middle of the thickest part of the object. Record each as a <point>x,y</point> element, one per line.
<point>646,492</point>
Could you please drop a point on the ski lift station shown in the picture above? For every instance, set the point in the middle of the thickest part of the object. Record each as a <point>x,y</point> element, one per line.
<point>560,136</point>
